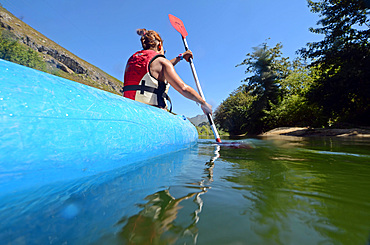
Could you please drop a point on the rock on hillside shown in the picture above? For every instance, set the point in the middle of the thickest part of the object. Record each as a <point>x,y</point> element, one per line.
<point>57,57</point>
<point>199,119</point>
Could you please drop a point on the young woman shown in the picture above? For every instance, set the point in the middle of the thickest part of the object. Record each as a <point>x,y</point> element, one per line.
<point>149,74</point>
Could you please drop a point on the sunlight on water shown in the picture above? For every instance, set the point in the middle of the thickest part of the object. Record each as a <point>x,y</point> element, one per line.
<point>275,191</point>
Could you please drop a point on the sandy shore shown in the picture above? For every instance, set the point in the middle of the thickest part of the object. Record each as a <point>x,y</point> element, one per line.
<point>306,132</point>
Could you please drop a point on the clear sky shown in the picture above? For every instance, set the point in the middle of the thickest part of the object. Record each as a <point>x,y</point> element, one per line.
<point>221,33</point>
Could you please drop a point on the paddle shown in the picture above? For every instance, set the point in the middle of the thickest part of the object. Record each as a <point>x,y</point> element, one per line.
<point>179,26</point>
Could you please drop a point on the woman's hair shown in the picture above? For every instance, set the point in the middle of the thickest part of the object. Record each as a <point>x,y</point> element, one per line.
<point>149,39</point>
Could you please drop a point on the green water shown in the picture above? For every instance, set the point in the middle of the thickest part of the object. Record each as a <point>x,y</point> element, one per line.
<point>312,191</point>
<point>276,191</point>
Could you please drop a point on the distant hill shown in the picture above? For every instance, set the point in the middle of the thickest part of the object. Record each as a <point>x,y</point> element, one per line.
<point>58,60</point>
<point>199,119</point>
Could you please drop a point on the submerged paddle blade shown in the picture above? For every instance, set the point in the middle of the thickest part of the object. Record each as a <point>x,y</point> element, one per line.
<point>178,25</point>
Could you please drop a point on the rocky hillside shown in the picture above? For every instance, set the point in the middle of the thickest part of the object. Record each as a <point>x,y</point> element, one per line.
<point>59,61</point>
<point>199,119</point>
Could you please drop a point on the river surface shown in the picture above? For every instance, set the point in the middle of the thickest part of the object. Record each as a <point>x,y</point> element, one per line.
<point>285,190</point>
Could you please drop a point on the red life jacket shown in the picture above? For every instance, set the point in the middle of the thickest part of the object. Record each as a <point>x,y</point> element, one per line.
<point>140,85</point>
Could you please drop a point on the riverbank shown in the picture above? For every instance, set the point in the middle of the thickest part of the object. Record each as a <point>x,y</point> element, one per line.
<point>308,132</point>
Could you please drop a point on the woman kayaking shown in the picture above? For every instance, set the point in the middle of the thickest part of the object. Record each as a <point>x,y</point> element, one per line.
<point>149,74</point>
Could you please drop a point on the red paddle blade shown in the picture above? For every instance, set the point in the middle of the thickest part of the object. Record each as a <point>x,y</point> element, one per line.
<point>178,25</point>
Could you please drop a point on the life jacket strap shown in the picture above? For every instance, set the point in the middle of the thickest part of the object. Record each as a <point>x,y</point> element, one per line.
<point>160,92</point>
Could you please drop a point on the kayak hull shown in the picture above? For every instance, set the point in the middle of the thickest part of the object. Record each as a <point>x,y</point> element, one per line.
<point>54,129</point>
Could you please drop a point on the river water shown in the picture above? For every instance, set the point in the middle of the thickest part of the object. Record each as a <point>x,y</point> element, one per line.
<point>285,190</point>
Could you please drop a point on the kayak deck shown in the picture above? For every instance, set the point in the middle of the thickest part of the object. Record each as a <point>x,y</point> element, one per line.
<point>56,129</point>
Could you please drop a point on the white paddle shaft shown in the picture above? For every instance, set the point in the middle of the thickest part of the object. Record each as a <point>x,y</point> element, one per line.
<point>210,119</point>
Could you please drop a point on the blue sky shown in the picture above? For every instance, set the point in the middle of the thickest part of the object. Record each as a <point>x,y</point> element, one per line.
<point>221,33</point>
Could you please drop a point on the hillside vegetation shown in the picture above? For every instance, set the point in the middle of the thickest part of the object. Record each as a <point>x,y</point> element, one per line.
<point>20,43</point>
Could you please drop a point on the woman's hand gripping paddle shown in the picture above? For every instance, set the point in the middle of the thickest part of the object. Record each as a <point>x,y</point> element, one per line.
<point>179,26</point>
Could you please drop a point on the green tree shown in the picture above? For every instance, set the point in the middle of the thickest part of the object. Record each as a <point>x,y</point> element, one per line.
<point>342,59</point>
<point>294,109</point>
<point>268,69</point>
<point>232,113</point>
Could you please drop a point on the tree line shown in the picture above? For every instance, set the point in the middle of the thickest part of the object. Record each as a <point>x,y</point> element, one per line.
<point>327,85</point>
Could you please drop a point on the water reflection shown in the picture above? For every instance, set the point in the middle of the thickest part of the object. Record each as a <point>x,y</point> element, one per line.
<point>321,190</point>
<point>313,191</point>
<point>82,211</point>
<point>156,223</point>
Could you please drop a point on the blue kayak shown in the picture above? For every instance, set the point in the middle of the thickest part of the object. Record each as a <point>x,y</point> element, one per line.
<point>53,129</point>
